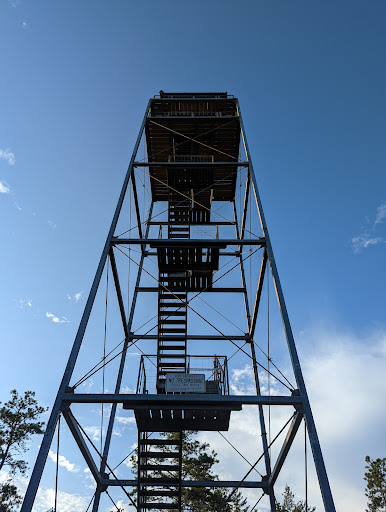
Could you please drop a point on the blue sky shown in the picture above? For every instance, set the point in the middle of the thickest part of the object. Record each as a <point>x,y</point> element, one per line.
<point>310,76</point>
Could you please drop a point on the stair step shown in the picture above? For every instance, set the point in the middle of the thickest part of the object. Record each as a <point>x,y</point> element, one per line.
<point>168,295</point>
<point>170,337</point>
<point>170,347</point>
<point>172,365</point>
<point>159,506</point>
<point>175,330</point>
<point>164,480</point>
<point>173,313</point>
<point>173,322</point>
<point>173,304</point>
<point>160,455</point>
<point>160,442</point>
<point>166,494</point>
<point>159,467</point>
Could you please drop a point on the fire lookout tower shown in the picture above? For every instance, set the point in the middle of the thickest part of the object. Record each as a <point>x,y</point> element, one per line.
<point>199,224</point>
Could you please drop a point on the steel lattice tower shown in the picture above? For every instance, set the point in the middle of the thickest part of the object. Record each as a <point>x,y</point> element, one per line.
<point>204,230</point>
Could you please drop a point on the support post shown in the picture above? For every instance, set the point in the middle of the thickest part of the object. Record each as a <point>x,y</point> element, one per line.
<point>311,428</point>
<point>37,472</point>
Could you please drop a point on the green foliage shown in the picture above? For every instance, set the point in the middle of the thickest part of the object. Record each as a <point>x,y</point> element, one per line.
<point>290,505</point>
<point>18,422</point>
<point>197,464</point>
<point>9,497</point>
<point>375,477</point>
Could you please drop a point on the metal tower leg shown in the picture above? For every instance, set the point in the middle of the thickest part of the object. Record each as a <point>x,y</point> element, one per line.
<point>48,435</point>
<point>127,329</point>
<point>253,355</point>
<point>312,434</point>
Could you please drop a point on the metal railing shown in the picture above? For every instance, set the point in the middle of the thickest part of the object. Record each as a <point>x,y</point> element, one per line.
<point>191,158</point>
<point>215,369</point>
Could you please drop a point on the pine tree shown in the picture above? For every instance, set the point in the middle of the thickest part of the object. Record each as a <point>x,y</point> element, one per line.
<point>375,477</point>
<point>18,422</point>
<point>290,505</point>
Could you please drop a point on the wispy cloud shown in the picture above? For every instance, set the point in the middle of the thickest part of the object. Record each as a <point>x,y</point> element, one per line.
<point>18,207</point>
<point>94,432</point>
<point>51,224</point>
<point>65,463</point>
<point>381,214</point>
<point>45,499</point>
<point>368,236</point>
<point>125,420</point>
<point>24,24</point>
<point>4,189</point>
<point>75,296</point>
<point>363,241</point>
<point>22,303</point>
<point>8,156</point>
<point>56,319</point>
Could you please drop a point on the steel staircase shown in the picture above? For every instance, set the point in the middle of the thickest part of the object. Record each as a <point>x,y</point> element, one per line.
<point>159,473</point>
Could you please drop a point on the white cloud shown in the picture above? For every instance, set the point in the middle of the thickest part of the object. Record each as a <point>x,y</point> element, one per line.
<point>125,420</point>
<point>21,303</point>
<point>76,296</point>
<point>4,189</point>
<point>344,375</point>
<point>56,319</point>
<point>90,481</point>
<point>18,207</point>
<point>88,384</point>
<point>24,24</point>
<point>363,241</point>
<point>65,463</point>
<point>68,502</point>
<point>8,156</point>
<point>381,213</point>
<point>94,432</point>
<point>123,507</point>
<point>368,236</point>
<point>51,224</point>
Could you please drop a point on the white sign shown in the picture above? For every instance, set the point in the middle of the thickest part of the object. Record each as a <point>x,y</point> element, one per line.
<point>185,383</point>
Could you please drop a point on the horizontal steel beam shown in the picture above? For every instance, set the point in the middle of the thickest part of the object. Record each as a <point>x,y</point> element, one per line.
<point>190,164</point>
<point>188,118</point>
<point>189,242</point>
<point>222,253</point>
<point>191,483</point>
<point>211,337</point>
<point>220,96</point>
<point>222,223</point>
<point>170,400</point>
<point>211,290</point>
